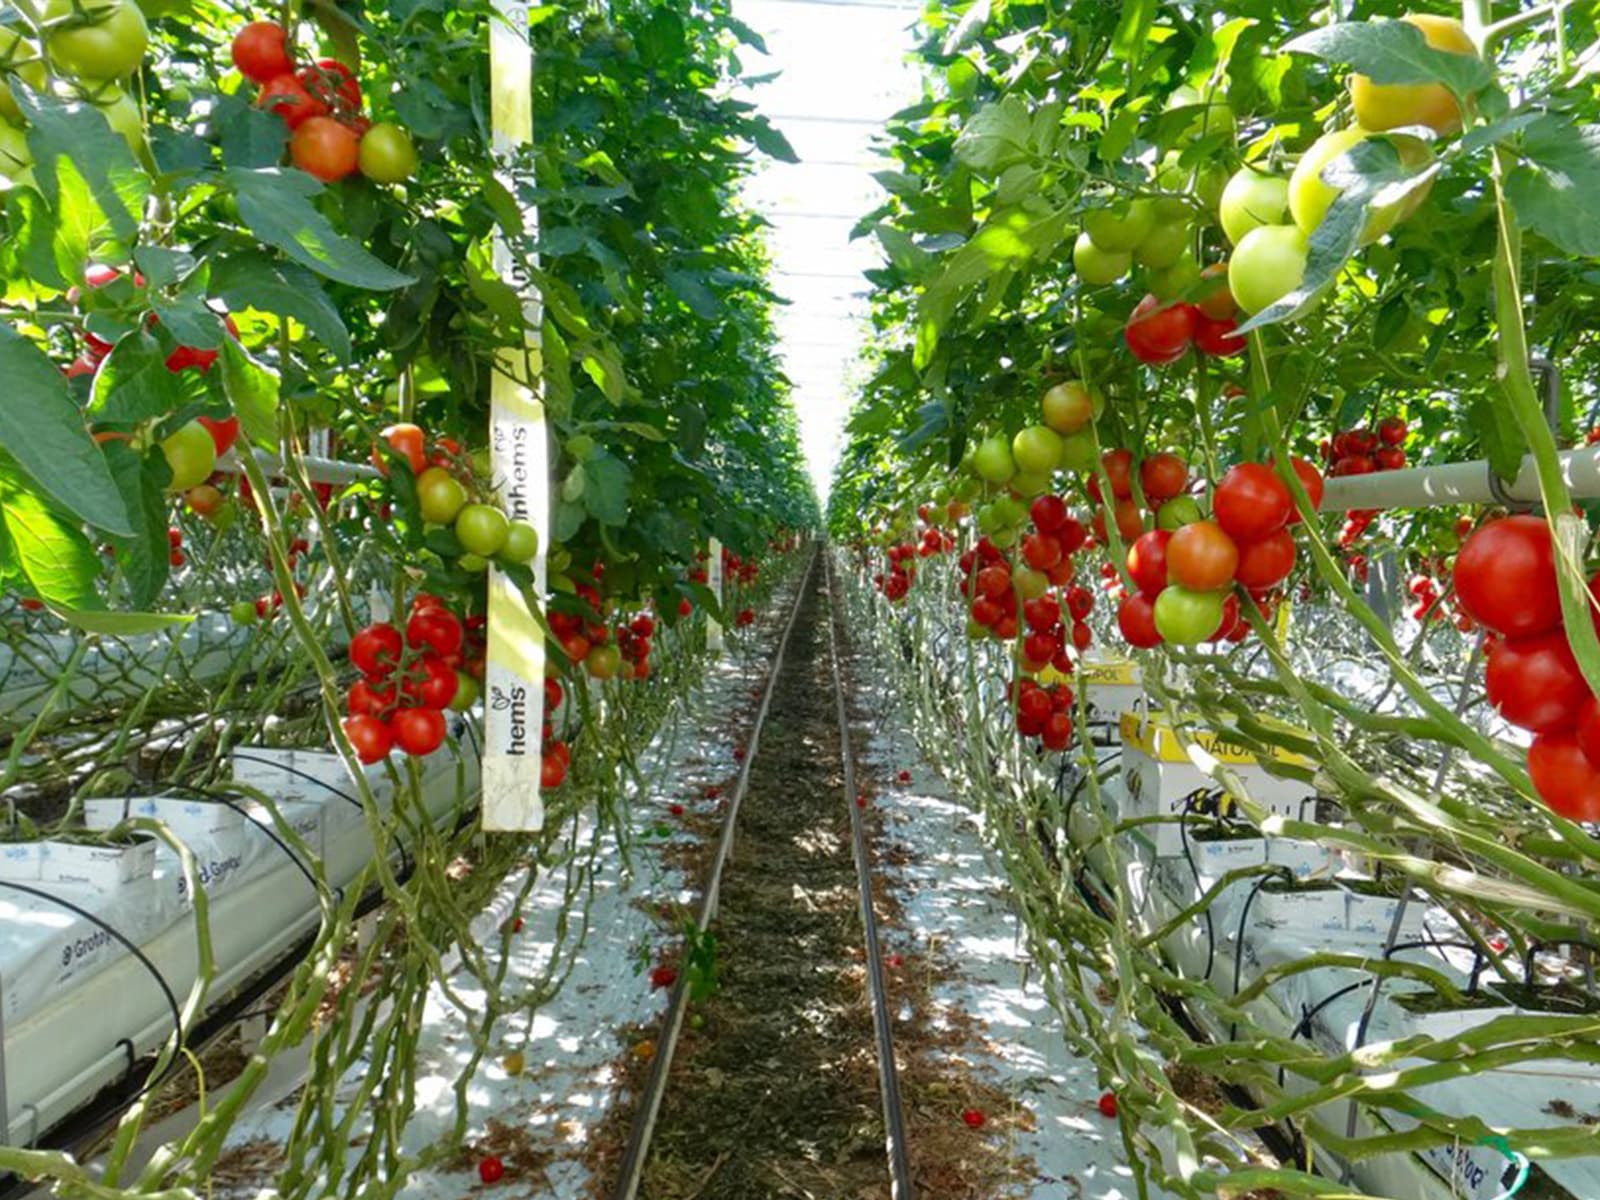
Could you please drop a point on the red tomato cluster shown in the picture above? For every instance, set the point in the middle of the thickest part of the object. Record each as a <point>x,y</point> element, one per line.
<point>95,349</point>
<point>1185,576</point>
<point>663,977</point>
<point>738,570</point>
<point>321,103</point>
<point>902,569</point>
<point>556,756</point>
<point>1159,333</point>
<point>744,618</point>
<point>407,682</point>
<point>996,590</point>
<point>1505,578</point>
<point>1362,451</point>
<point>1045,712</point>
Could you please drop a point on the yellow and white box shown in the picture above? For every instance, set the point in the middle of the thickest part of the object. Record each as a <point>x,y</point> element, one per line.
<point>1162,775</point>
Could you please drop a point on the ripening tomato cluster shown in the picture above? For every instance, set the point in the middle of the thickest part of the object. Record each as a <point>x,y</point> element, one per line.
<point>736,569</point>
<point>408,682</point>
<point>744,618</point>
<point>555,758</point>
<point>330,137</point>
<point>1045,712</point>
<point>1186,576</point>
<point>1159,332</point>
<point>96,349</point>
<point>1363,451</point>
<point>1505,578</point>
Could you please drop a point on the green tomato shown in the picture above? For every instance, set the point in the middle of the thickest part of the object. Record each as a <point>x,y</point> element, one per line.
<point>482,529</point>
<point>1122,228</point>
<point>961,78</point>
<point>473,563</point>
<point>1036,450</point>
<point>1006,538</point>
<point>966,488</point>
<point>440,496</point>
<point>1177,512</point>
<point>1068,407</point>
<point>243,612</point>
<point>1098,267</point>
<point>991,518</point>
<point>466,692</point>
<point>992,459</point>
<point>1025,483</point>
<point>1214,117</point>
<point>191,455</point>
<point>1164,246</point>
<point>581,447</point>
<point>1205,182</point>
<point>1268,263</point>
<point>1252,199</point>
<point>110,45</point>
<point>1310,196</point>
<point>1080,452</point>
<point>1013,512</point>
<point>386,154</point>
<point>522,542</point>
<point>1029,584</point>
<point>1187,618</point>
<point>126,119</point>
<point>483,463</point>
<point>33,73</point>
<point>1176,280</point>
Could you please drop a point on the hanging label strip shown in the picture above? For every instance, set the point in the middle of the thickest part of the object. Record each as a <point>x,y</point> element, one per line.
<point>519,437</point>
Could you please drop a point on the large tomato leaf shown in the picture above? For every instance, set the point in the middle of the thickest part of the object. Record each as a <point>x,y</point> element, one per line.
<point>253,392</point>
<point>1393,52</point>
<point>249,279</point>
<point>45,432</point>
<point>48,546</point>
<point>142,558</point>
<point>276,205</point>
<point>1554,188</point>
<point>134,385</point>
<point>87,174</point>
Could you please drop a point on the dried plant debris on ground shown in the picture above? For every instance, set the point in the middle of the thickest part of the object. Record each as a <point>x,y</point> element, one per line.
<point>774,1088</point>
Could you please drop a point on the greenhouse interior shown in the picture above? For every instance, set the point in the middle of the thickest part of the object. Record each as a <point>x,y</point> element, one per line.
<point>799,599</point>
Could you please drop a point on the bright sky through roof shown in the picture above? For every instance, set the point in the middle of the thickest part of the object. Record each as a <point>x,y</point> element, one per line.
<point>843,71</point>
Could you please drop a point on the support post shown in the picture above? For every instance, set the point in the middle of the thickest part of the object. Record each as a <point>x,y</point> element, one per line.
<point>714,582</point>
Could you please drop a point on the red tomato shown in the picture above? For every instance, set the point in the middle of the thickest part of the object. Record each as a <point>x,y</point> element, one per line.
<point>1353,464</point>
<point>1310,479</point>
<point>1130,522</point>
<point>1389,458</point>
<point>1147,561</point>
<point>375,651</point>
<point>552,771</point>
<point>418,731</point>
<point>1266,562</point>
<point>1042,613</point>
<point>260,51</point>
<point>1251,502</point>
<point>1080,603</point>
<point>1118,466</point>
<point>287,97</point>
<point>1041,551</point>
<point>1588,730</point>
<point>1159,334</point>
<point>1564,777</point>
<point>1506,577</point>
<point>432,682</point>
<point>1049,513</point>
<point>1228,624</point>
<point>1072,536</point>
<point>406,441</point>
<point>1082,635</point>
<point>1201,557</point>
<point>369,736</point>
<point>325,149</point>
<point>1217,338</point>
<point>435,628</point>
<point>367,700</point>
<point>223,432</point>
<point>1057,733</point>
<point>1163,476</point>
<point>1535,682</point>
<point>1136,618</point>
<point>1392,431</point>
<point>334,85</point>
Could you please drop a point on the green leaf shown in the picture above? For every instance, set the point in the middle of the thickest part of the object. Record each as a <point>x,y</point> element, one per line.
<point>1133,30</point>
<point>276,205</point>
<point>1393,52</point>
<point>142,558</point>
<point>47,252</point>
<point>899,183</point>
<point>52,550</point>
<point>251,137</point>
<point>605,492</point>
<point>133,384</point>
<point>771,142</point>
<point>1553,190</point>
<point>45,432</point>
<point>601,364</point>
<point>690,287</point>
<point>253,392</point>
<point>250,279</point>
<point>996,137</point>
<point>1497,431</point>
<point>968,29</point>
<point>123,624</point>
<point>86,173</point>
